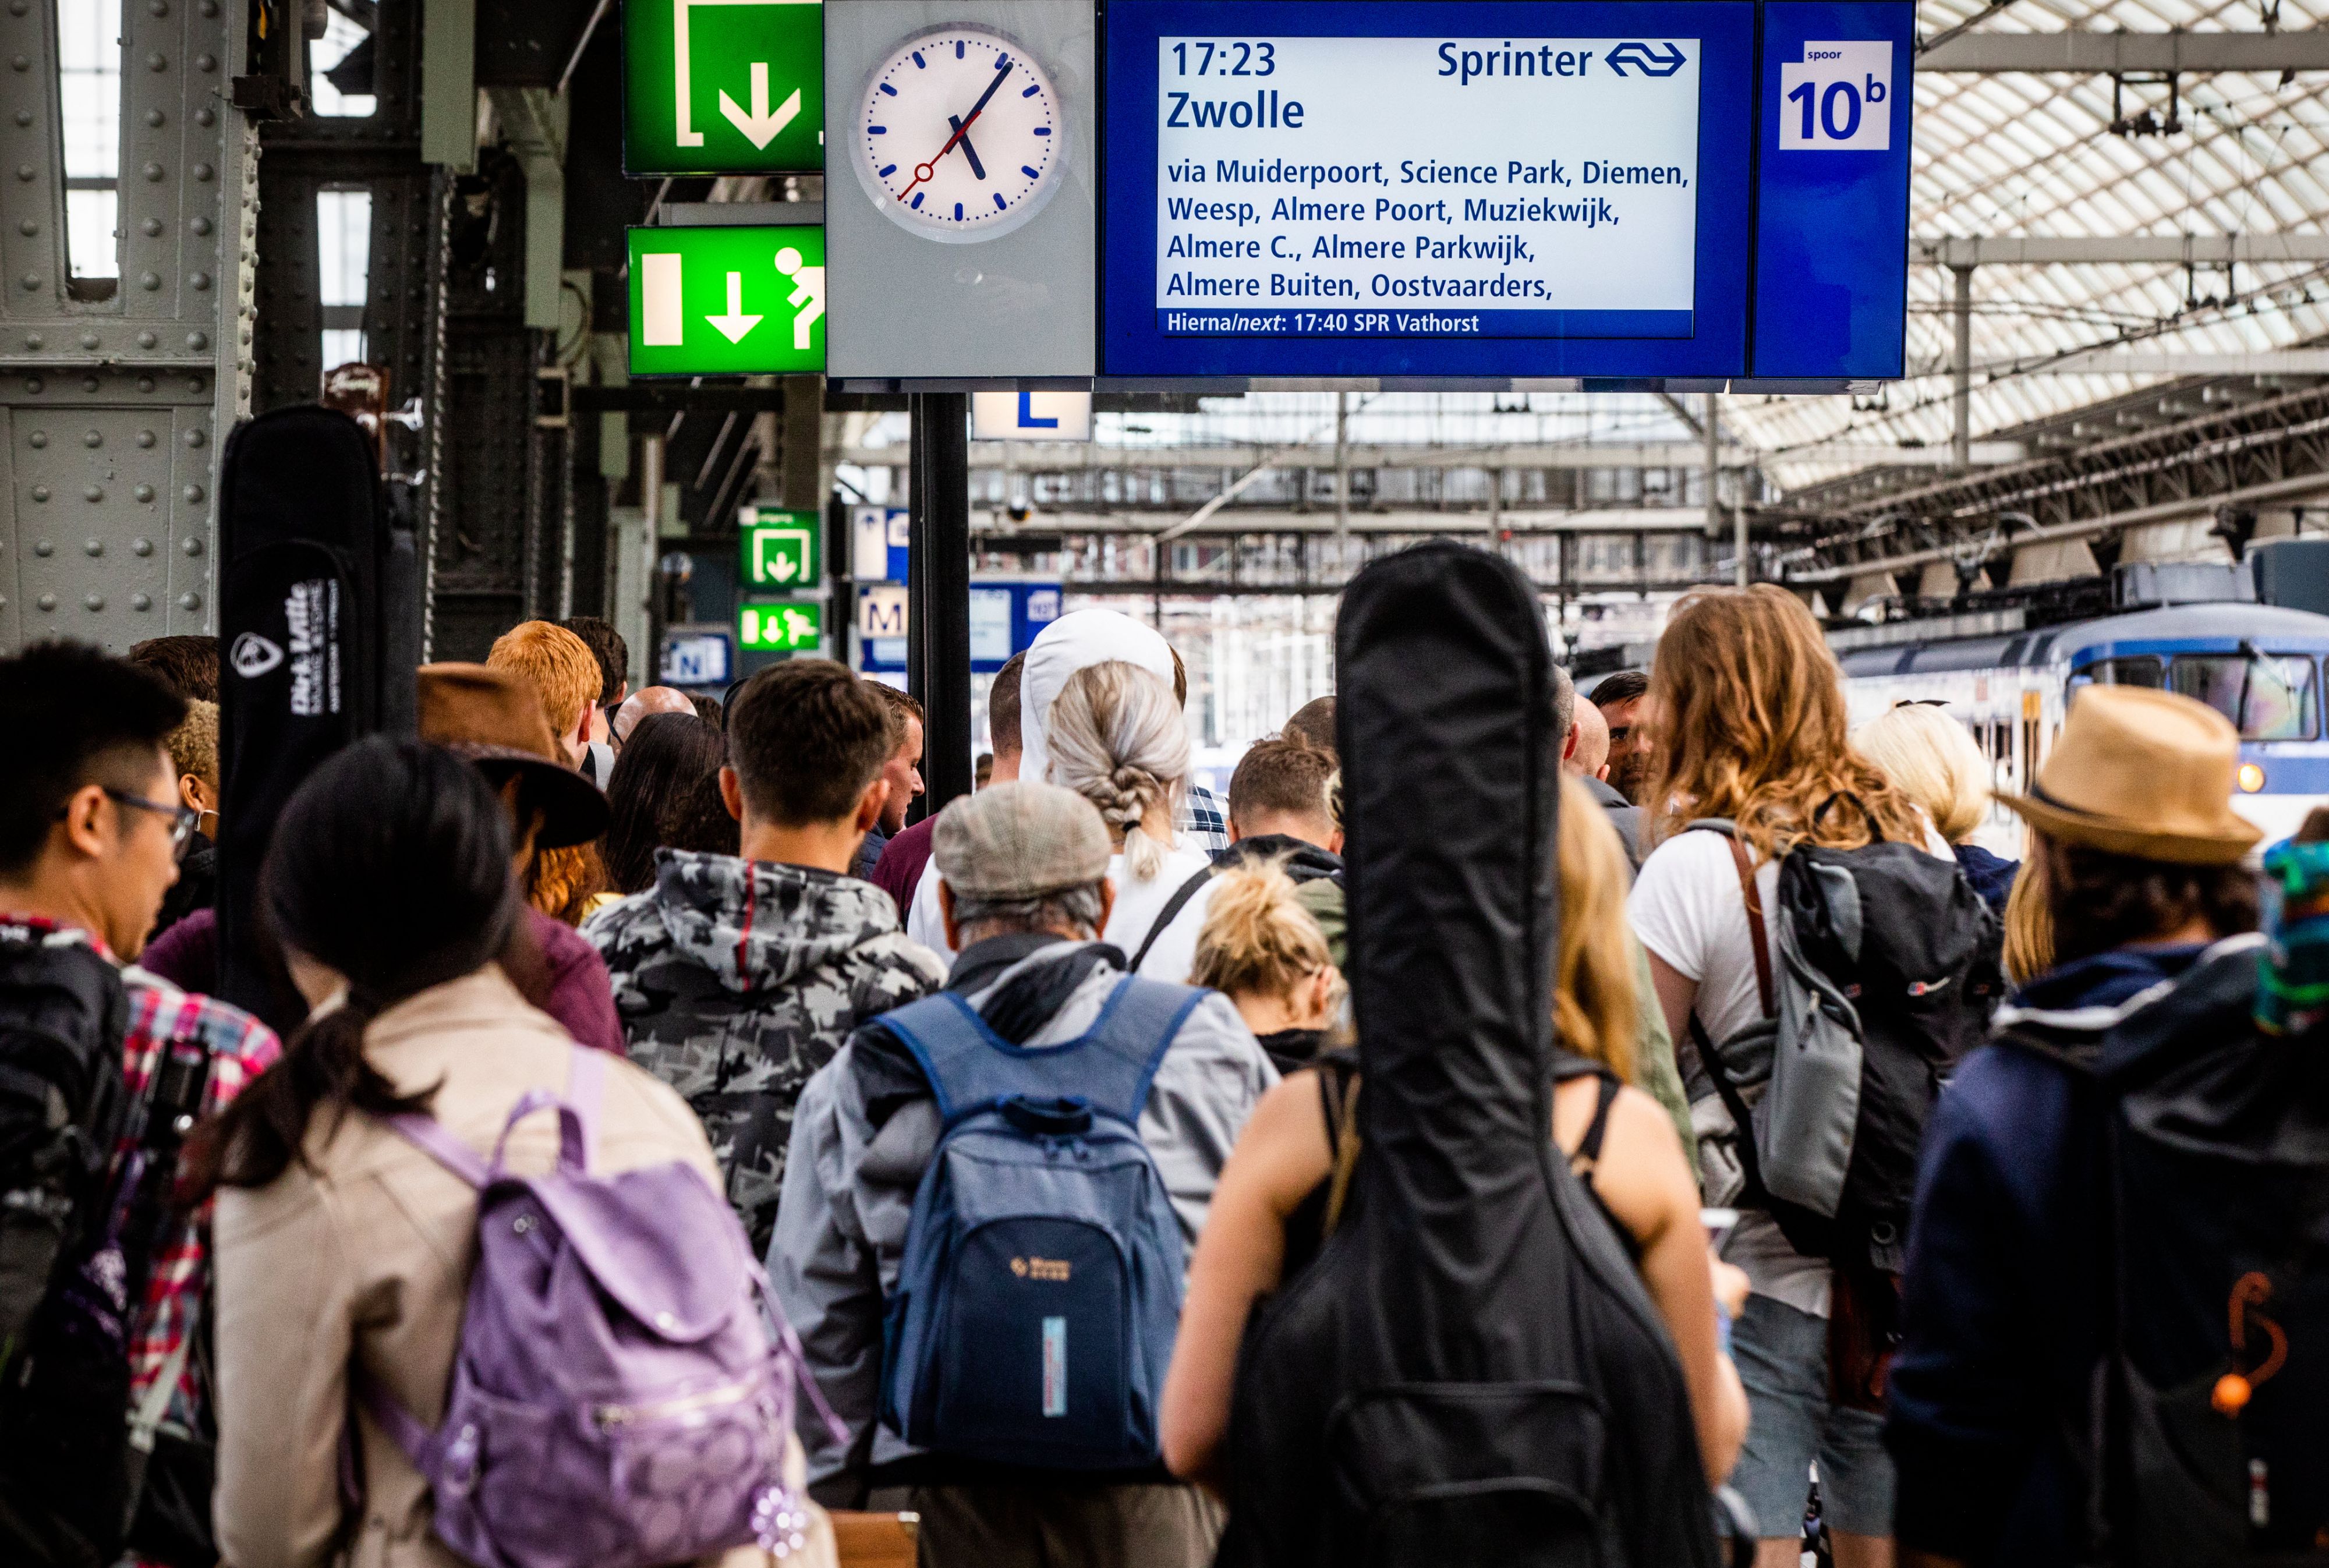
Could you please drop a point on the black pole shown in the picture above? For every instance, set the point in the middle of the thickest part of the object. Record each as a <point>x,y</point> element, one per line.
<point>938,611</point>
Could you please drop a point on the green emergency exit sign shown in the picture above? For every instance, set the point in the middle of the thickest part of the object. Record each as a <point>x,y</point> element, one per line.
<point>779,547</point>
<point>781,625</point>
<point>723,87</point>
<point>727,301</point>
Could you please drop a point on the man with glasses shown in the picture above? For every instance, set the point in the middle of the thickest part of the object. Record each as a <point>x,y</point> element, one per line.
<point>91,828</point>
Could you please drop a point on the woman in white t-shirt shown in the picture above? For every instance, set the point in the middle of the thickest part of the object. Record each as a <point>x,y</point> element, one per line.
<point>1748,711</point>
<point>1117,738</point>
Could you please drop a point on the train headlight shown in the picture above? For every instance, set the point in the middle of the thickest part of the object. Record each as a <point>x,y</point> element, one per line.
<point>2251,777</point>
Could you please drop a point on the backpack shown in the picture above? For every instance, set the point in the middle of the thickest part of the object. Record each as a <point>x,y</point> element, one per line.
<point>615,1398</point>
<point>1886,974</point>
<point>1038,1294</point>
<point>65,1289</point>
<point>1471,1370</point>
<point>2203,1446</point>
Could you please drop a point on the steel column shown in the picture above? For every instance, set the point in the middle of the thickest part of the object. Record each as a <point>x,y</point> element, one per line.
<point>938,611</point>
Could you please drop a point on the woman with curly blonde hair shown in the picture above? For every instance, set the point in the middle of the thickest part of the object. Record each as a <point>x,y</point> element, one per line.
<point>1746,708</point>
<point>1265,951</point>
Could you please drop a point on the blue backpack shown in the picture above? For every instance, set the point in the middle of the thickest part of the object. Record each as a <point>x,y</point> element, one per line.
<point>1040,1286</point>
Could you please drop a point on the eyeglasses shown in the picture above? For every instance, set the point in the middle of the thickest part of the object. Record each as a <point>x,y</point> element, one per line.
<point>184,820</point>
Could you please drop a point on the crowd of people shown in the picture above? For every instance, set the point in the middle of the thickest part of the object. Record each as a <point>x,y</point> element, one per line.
<point>1089,1030</point>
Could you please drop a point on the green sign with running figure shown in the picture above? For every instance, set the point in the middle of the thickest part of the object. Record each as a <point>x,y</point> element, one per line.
<point>721,301</point>
<point>723,87</point>
<point>781,625</point>
<point>779,548</point>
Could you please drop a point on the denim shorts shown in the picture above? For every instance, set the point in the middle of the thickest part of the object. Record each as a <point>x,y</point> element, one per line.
<point>1782,1358</point>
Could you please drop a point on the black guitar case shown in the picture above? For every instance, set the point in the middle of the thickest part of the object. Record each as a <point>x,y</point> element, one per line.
<point>319,633</point>
<point>1471,1372</point>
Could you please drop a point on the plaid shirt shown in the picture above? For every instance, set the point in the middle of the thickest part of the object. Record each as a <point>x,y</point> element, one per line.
<point>163,1018</point>
<point>1205,821</point>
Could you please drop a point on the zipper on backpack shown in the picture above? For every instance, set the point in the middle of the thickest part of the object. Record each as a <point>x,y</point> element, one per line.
<point>611,1416</point>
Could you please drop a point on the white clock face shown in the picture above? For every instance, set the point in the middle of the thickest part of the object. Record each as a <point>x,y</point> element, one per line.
<point>960,136</point>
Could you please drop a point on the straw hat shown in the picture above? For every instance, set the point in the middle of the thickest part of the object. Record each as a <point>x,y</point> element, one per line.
<point>2142,773</point>
<point>495,720</point>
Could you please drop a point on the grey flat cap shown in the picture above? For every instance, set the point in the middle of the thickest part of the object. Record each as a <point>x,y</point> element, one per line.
<point>1019,840</point>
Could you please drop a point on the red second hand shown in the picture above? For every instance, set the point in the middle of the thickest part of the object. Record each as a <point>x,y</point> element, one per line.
<point>924,171</point>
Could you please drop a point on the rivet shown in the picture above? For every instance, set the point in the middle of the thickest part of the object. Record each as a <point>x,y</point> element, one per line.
<point>190,601</point>
<point>145,438</point>
<point>141,546</point>
<point>205,62</point>
<point>28,228</point>
<point>204,116</point>
<point>151,228</point>
<point>196,340</point>
<point>94,546</point>
<point>92,438</point>
<point>154,62</point>
<point>24,117</point>
<point>147,340</point>
<point>95,601</point>
<point>26,173</point>
<point>201,281</point>
<point>154,171</point>
<point>195,437</point>
<point>154,118</point>
<point>89,340</point>
<point>44,547</point>
<point>192,493</point>
<point>145,383</point>
<point>201,172</point>
<point>39,438</point>
<point>89,383</point>
<point>193,384</point>
<point>48,602</point>
<point>144,493</point>
<point>141,601</point>
<point>149,280</point>
<point>17,7</point>
<point>200,225</point>
<point>31,280</point>
<point>92,493</point>
<point>33,383</point>
<point>193,544</point>
<point>40,493</point>
<point>23,63</point>
<point>209,7</point>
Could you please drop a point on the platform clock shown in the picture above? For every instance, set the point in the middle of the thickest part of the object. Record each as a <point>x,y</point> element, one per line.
<point>960,135</point>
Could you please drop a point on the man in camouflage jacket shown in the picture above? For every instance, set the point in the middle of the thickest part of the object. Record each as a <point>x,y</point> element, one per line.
<point>736,978</point>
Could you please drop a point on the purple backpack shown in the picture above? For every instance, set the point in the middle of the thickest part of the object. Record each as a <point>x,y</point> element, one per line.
<point>617,1401</point>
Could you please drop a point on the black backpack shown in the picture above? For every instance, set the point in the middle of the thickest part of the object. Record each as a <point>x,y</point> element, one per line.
<point>1471,1370</point>
<point>1878,972</point>
<point>2205,1444</point>
<point>64,1367</point>
<point>319,633</point>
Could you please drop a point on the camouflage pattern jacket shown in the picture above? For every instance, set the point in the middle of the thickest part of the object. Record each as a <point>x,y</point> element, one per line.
<point>736,980</point>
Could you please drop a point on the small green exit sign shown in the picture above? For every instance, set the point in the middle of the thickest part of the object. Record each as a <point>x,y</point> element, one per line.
<point>722,301</point>
<point>781,625</point>
<point>779,548</point>
<point>723,87</point>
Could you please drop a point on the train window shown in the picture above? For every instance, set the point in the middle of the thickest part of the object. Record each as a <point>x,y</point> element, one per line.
<point>2140,670</point>
<point>2269,697</point>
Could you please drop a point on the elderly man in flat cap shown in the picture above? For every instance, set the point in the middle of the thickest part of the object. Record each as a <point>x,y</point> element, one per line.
<point>1027,894</point>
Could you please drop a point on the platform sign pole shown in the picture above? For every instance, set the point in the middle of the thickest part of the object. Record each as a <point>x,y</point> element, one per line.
<point>938,618</point>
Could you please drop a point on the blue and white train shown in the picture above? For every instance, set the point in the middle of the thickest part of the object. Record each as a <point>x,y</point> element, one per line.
<point>2258,664</point>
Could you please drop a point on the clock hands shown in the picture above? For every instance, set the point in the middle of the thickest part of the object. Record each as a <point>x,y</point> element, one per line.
<point>922,172</point>
<point>968,151</point>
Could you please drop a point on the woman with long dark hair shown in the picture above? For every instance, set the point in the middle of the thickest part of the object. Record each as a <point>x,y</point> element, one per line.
<point>665,795</point>
<point>340,1246</point>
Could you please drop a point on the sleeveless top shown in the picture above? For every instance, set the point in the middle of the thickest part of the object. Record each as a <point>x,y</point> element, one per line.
<point>1338,1070</point>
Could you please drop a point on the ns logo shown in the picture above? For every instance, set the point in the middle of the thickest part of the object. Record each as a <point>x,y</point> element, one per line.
<point>1054,1270</point>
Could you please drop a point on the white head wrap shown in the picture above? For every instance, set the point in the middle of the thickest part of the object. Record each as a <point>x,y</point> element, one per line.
<point>1072,642</point>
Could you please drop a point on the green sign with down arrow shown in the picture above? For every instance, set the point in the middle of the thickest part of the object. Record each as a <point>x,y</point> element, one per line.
<point>727,301</point>
<point>723,87</point>
<point>781,625</point>
<point>779,547</point>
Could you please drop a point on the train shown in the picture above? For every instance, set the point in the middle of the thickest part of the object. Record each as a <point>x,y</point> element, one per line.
<point>2258,664</point>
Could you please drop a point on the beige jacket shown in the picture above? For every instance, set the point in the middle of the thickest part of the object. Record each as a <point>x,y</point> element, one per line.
<point>363,1255</point>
